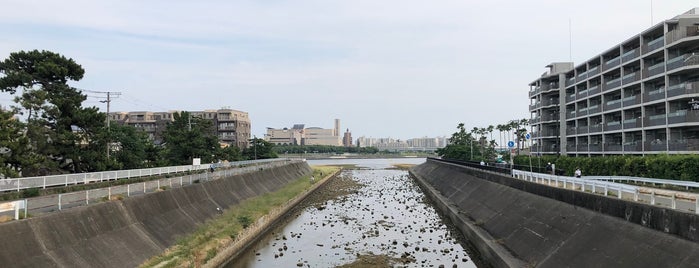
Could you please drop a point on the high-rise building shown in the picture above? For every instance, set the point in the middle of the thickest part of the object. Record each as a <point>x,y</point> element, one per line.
<point>347,139</point>
<point>232,126</point>
<point>638,97</point>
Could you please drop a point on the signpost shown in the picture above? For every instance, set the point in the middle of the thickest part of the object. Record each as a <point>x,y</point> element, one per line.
<point>511,145</point>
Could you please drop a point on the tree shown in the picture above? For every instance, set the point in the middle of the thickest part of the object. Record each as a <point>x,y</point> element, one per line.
<point>460,145</point>
<point>62,134</point>
<point>188,137</point>
<point>259,149</point>
<point>131,148</point>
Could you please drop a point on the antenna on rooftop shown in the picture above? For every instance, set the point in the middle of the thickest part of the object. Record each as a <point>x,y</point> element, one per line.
<point>651,12</point>
<point>570,39</point>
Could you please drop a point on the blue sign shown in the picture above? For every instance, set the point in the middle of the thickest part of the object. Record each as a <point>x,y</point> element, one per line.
<point>511,144</point>
<point>527,136</point>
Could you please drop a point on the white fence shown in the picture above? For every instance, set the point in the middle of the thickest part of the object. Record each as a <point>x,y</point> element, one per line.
<point>57,202</point>
<point>17,184</point>
<point>596,185</point>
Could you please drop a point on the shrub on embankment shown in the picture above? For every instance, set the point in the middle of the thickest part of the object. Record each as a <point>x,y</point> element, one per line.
<point>663,166</point>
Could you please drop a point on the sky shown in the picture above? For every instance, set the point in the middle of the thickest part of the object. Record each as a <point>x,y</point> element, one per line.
<point>392,68</point>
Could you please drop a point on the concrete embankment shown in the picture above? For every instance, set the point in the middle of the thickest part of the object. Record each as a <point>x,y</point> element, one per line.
<point>126,233</point>
<point>514,223</point>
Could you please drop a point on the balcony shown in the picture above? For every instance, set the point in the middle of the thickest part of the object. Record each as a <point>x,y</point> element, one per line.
<point>571,148</point>
<point>612,104</point>
<point>688,59</point>
<point>611,63</point>
<point>632,123</point>
<point>570,81</point>
<point>611,126</point>
<point>570,131</point>
<point>551,101</point>
<point>684,145</point>
<point>570,97</point>
<point>633,146</point>
<point>680,33</point>
<point>654,69</point>
<point>551,117</point>
<point>581,76</point>
<point>612,147</point>
<point>582,147</point>
<point>582,111</point>
<point>654,44</point>
<point>534,120</point>
<point>630,55</point>
<point>654,120</point>
<point>593,71</point>
<point>582,130</point>
<point>595,147</point>
<point>631,100</point>
<point>535,106</point>
<point>595,128</point>
<point>593,109</point>
<point>630,78</point>
<point>683,89</point>
<point>653,95</point>
<point>655,145</point>
<point>593,90</point>
<point>613,83</point>
<point>571,114</point>
<point>582,94</point>
<point>683,116</point>
<point>226,128</point>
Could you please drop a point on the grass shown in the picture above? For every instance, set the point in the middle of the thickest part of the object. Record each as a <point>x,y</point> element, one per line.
<point>217,233</point>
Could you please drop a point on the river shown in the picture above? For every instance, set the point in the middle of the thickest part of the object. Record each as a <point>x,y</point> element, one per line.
<point>385,221</point>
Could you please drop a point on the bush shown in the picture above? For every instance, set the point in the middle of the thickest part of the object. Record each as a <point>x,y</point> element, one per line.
<point>244,221</point>
<point>31,192</point>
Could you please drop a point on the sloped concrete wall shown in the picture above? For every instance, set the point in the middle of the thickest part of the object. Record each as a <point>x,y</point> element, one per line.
<point>516,223</point>
<point>126,233</point>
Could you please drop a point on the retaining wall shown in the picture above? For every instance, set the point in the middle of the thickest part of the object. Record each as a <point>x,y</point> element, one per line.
<point>128,232</point>
<point>514,223</point>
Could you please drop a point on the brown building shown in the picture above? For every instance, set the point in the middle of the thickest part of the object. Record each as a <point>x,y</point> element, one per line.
<point>347,139</point>
<point>232,126</point>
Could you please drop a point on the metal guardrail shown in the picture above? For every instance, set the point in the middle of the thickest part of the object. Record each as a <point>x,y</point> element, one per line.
<point>17,184</point>
<point>641,180</point>
<point>597,184</point>
<point>44,204</point>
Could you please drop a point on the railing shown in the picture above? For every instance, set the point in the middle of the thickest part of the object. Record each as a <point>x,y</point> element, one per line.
<point>612,147</point>
<point>688,59</point>
<point>593,71</point>
<point>654,120</point>
<point>631,100</point>
<point>594,90</point>
<point>17,184</point>
<point>654,44</point>
<point>632,123</point>
<point>582,130</point>
<point>631,54</point>
<point>595,128</point>
<point>612,104</point>
<point>607,186</point>
<point>630,78</point>
<point>655,69</point>
<point>611,126</point>
<point>570,97</point>
<point>67,200</point>
<point>678,34</point>
<point>582,147</point>
<point>654,95</point>
<point>594,108</point>
<point>633,147</point>
<point>683,116</point>
<point>570,81</point>
<point>611,63</point>
<point>683,88</point>
<point>613,83</point>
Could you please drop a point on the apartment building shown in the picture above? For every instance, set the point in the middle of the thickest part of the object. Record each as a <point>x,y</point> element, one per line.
<point>232,126</point>
<point>638,97</point>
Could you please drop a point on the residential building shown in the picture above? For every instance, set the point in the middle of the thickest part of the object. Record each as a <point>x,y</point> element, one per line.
<point>347,139</point>
<point>416,144</point>
<point>232,126</point>
<point>638,97</point>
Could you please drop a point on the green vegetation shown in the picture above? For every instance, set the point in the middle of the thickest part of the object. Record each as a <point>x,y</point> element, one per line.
<point>478,144</point>
<point>202,245</point>
<point>48,131</point>
<point>663,166</point>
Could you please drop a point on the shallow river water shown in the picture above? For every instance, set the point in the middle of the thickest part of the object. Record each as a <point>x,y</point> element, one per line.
<point>388,217</point>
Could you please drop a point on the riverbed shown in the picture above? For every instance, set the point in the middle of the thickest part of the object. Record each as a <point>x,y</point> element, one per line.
<point>368,217</point>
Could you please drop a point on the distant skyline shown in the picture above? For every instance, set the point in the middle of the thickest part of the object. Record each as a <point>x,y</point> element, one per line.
<point>400,69</point>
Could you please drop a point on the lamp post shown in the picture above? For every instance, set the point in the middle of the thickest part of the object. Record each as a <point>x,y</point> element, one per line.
<point>254,145</point>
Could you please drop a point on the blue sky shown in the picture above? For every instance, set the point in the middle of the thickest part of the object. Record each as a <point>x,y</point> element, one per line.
<point>399,69</point>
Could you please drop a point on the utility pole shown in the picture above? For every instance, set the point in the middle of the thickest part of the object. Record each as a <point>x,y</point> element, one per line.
<point>108,101</point>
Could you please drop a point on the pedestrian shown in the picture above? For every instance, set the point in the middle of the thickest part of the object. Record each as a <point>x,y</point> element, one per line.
<point>548,167</point>
<point>578,173</point>
<point>482,163</point>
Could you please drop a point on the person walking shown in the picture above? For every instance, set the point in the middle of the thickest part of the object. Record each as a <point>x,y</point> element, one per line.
<point>578,173</point>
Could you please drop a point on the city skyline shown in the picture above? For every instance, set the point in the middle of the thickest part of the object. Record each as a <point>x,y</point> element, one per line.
<point>399,69</point>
